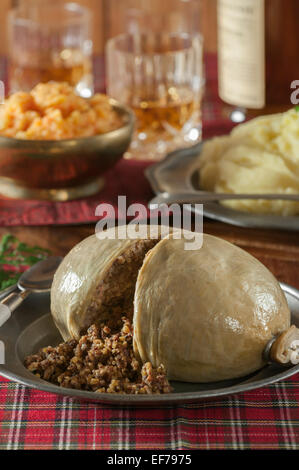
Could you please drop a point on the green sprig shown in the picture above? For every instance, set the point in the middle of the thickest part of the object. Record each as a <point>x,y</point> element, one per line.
<point>17,255</point>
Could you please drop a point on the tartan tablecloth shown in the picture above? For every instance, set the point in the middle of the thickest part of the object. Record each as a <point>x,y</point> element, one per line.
<point>266,418</point>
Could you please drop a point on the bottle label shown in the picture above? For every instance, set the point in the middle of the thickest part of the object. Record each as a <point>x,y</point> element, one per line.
<point>241,52</point>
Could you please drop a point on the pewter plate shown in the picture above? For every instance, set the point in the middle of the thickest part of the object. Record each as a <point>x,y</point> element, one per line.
<point>31,327</point>
<point>178,173</point>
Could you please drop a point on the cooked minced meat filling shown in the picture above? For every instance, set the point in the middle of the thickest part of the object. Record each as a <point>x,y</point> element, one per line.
<point>115,293</point>
<point>101,361</point>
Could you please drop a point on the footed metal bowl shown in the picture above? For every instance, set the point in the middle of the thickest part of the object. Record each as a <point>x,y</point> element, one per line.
<point>61,170</point>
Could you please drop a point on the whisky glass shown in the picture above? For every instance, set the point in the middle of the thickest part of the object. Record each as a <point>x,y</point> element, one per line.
<point>50,41</point>
<point>159,74</point>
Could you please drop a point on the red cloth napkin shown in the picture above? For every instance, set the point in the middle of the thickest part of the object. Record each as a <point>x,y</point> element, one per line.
<point>126,178</point>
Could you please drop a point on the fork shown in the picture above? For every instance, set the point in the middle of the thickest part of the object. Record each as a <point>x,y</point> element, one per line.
<point>203,196</point>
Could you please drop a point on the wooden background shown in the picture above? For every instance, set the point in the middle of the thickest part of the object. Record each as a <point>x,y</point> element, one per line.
<point>102,27</point>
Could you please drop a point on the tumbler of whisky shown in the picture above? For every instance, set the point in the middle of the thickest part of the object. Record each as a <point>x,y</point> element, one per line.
<point>50,41</point>
<point>160,76</point>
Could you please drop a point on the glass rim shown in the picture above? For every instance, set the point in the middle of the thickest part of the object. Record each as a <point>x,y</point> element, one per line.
<point>111,42</point>
<point>82,13</point>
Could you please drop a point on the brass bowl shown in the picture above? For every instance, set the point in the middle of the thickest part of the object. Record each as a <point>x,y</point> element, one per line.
<point>61,170</point>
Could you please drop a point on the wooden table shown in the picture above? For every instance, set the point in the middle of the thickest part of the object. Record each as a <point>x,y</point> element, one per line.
<point>278,250</point>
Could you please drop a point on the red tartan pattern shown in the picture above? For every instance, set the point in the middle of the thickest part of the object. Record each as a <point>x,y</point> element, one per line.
<point>266,418</point>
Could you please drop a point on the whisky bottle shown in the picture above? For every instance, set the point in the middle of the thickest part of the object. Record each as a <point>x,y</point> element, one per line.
<point>258,49</point>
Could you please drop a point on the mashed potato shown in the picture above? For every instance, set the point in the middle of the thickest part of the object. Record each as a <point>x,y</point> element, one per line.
<point>261,156</point>
<point>52,111</point>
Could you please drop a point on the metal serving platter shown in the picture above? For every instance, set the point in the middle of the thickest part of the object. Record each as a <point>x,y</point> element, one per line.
<point>178,173</point>
<point>31,327</point>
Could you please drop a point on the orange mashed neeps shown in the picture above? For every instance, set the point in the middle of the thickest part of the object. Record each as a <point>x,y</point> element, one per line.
<point>53,111</point>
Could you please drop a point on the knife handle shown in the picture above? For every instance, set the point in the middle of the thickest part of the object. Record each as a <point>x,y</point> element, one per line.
<point>15,299</point>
